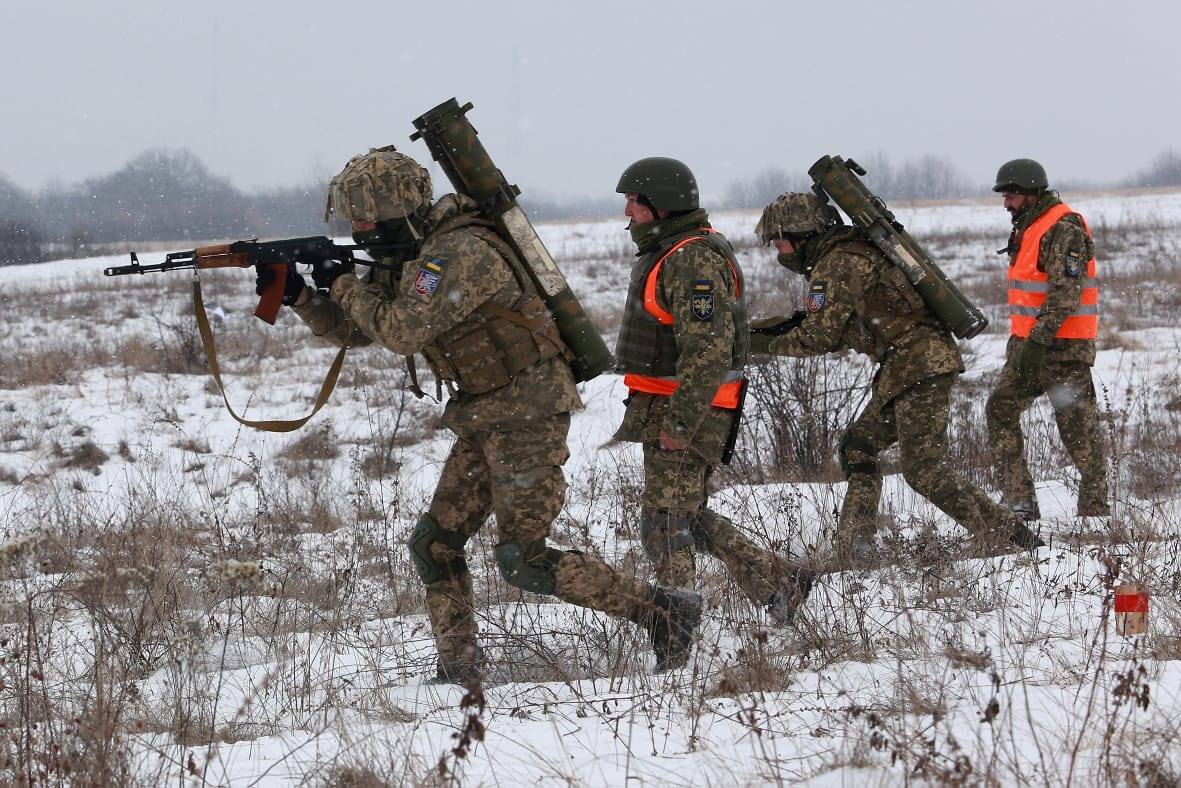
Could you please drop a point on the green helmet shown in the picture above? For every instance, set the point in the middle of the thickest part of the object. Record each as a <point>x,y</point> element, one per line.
<point>1021,176</point>
<point>667,183</point>
<point>378,186</point>
<point>795,213</point>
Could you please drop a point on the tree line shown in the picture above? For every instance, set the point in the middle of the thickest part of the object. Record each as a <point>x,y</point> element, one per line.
<point>170,195</point>
<point>159,195</point>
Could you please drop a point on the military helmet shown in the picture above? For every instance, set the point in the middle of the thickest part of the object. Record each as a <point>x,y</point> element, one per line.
<point>795,213</point>
<point>1021,176</point>
<point>667,183</point>
<point>379,185</point>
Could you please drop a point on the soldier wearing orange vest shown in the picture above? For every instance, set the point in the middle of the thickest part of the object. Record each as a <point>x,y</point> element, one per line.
<point>682,348</point>
<point>1054,319</point>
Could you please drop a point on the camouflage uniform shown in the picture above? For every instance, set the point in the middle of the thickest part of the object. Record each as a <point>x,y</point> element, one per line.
<point>857,299</point>
<point>1066,375</point>
<point>511,396</point>
<point>704,346</point>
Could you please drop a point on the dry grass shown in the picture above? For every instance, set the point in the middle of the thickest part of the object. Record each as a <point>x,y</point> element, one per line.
<point>129,623</point>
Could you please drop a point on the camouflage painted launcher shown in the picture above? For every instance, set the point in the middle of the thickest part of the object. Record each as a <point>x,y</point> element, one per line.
<point>454,144</point>
<point>836,178</point>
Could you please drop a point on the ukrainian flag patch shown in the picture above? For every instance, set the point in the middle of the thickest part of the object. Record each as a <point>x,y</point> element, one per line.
<point>430,272</point>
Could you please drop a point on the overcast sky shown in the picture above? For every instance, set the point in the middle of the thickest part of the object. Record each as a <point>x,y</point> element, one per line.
<point>274,92</point>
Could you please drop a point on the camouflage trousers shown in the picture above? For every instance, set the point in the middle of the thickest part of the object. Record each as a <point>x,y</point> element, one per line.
<point>674,521</point>
<point>518,476</point>
<point>917,420</point>
<point>1072,395</point>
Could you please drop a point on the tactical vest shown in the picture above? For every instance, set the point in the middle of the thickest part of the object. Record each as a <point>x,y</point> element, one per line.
<point>1029,286</point>
<point>890,306</point>
<point>646,352</point>
<point>494,344</point>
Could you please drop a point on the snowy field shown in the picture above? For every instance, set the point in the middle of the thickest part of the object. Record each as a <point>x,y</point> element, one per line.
<point>188,601</point>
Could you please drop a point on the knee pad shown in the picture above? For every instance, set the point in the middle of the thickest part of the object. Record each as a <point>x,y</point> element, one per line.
<point>535,575</point>
<point>856,455</point>
<point>426,533</point>
<point>663,533</point>
<point>704,525</point>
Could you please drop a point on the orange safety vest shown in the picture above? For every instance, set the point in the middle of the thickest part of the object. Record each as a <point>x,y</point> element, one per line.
<point>728,393</point>
<point>1028,286</point>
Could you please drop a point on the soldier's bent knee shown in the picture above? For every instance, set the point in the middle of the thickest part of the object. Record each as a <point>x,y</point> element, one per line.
<point>427,533</point>
<point>534,574</point>
<point>856,455</point>
<point>663,533</point>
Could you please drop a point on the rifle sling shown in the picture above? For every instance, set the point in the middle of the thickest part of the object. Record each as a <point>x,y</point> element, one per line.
<point>267,425</point>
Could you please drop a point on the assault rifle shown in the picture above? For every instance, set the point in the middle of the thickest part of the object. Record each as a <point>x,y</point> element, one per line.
<point>275,255</point>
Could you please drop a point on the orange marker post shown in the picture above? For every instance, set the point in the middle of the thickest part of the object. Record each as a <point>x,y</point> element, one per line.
<point>1131,609</point>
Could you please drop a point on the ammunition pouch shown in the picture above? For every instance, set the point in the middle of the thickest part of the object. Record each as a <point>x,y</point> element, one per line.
<point>536,574</point>
<point>857,455</point>
<point>663,533</point>
<point>426,533</point>
<point>496,343</point>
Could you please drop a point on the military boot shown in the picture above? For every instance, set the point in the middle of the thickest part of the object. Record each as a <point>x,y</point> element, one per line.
<point>670,617</point>
<point>1024,538</point>
<point>792,593</point>
<point>462,667</point>
<point>1092,505</point>
<point>1026,510</point>
<point>457,673</point>
<point>858,550</point>
<point>1009,536</point>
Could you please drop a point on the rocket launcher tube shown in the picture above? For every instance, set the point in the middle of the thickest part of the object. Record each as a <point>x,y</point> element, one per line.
<point>455,145</point>
<point>836,178</point>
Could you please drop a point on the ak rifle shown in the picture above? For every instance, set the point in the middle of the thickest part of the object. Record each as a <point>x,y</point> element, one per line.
<point>275,255</point>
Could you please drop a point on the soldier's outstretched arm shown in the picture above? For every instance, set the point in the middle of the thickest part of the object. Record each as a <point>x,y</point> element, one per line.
<point>1064,259</point>
<point>698,287</point>
<point>833,291</point>
<point>328,321</point>
<point>457,274</point>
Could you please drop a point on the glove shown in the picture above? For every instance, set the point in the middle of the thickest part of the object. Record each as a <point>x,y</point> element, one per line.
<point>1030,360</point>
<point>291,290</point>
<point>760,343</point>
<point>763,331</point>
<point>325,272</point>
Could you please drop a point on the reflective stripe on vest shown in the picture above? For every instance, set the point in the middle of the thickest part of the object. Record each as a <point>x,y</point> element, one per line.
<point>1028,286</point>
<point>651,304</point>
<point>725,397</point>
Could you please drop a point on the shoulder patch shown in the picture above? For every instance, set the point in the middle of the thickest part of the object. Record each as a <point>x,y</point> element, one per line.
<point>1074,266</point>
<point>430,272</point>
<point>702,304</point>
<point>817,295</point>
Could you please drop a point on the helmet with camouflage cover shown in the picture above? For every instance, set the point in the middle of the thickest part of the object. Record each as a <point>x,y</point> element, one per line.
<point>1021,176</point>
<point>795,214</point>
<point>377,186</point>
<point>667,183</point>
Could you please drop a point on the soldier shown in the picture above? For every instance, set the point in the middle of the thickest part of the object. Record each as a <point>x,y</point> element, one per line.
<point>1053,320</point>
<point>449,287</point>
<point>857,299</point>
<point>681,349</point>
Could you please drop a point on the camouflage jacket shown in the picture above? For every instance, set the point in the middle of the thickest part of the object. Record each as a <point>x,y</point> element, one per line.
<point>434,300</point>
<point>705,342</point>
<point>851,286</point>
<point>1065,239</point>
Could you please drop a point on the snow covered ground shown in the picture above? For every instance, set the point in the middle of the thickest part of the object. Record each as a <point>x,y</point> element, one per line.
<point>133,646</point>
